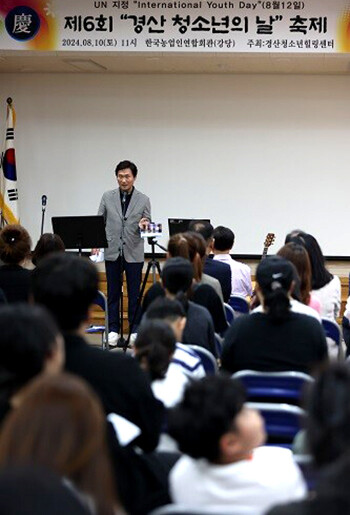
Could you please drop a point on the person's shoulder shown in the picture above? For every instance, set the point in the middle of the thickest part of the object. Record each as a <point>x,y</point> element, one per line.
<point>184,465</point>
<point>303,309</point>
<point>243,266</point>
<point>305,322</point>
<point>110,193</point>
<point>140,195</point>
<point>110,360</point>
<point>215,263</point>
<point>273,454</point>
<point>196,309</point>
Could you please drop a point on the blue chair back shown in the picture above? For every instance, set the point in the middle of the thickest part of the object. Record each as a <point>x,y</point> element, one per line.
<point>208,361</point>
<point>239,304</point>
<point>230,314</point>
<point>282,421</point>
<point>273,386</point>
<point>218,345</point>
<point>332,330</point>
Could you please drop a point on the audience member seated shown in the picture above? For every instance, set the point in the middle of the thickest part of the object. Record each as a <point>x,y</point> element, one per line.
<point>14,250</point>
<point>298,256</point>
<point>326,287</point>
<point>154,349</point>
<point>224,465</point>
<point>328,406</point>
<point>173,313</point>
<point>276,339</point>
<point>206,290</point>
<point>47,244</point>
<point>198,244</point>
<point>177,277</point>
<point>67,286</point>
<point>240,273</point>
<point>30,344</point>
<point>213,267</point>
<point>327,439</point>
<point>60,425</point>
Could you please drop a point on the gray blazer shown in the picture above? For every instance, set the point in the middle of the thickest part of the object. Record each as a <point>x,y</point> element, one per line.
<point>111,209</point>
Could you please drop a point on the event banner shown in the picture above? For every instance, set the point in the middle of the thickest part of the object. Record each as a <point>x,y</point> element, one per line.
<point>311,26</point>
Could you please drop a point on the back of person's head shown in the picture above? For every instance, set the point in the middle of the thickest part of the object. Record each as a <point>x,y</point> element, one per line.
<point>274,276</point>
<point>67,286</point>
<point>154,347</point>
<point>34,490</point>
<point>177,275</point>
<point>320,275</point>
<point>211,408</point>
<point>203,228</point>
<point>171,311</point>
<point>47,244</point>
<point>328,424</point>
<point>298,255</point>
<point>178,247</point>
<point>165,309</point>
<point>294,235</point>
<point>15,244</point>
<point>29,344</point>
<point>224,238</point>
<point>197,246</point>
<point>124,165</point>
<point>60,425</point>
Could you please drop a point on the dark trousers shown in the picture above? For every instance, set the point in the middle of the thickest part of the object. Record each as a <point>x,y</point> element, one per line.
<point>133,272</point>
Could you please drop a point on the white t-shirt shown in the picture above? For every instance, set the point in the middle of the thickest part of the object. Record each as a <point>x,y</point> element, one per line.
<point>296,307</point>
<point>188,361</point>
<point>249,486</point>
<point>170,390</point>
<point>330,298</point>
<point>240,275</point>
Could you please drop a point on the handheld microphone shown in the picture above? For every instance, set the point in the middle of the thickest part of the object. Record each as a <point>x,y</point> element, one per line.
<point>43,200</point>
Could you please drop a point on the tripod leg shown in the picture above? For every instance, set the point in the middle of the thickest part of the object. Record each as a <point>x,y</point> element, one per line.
<point>138,305</point>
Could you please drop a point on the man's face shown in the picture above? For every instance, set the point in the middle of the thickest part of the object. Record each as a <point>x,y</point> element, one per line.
<point>125,179</point>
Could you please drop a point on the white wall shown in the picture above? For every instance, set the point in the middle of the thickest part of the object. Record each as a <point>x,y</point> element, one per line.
<point>257,153</point>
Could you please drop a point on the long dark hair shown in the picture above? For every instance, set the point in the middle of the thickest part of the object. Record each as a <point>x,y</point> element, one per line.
<point>320,275</point>
<point>47,244</point>
<point>274,276</point>
<point>60,425</point>
<point>154,346</point>
<point>328,428</point>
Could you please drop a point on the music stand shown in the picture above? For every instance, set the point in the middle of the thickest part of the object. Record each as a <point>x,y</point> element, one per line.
<point>80,232</point>
<point>177,225</point>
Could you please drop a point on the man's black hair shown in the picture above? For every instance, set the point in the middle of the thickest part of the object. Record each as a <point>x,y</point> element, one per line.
<point>207,411</point>
<point>165,309</point>
<point>67,286</point>
<point>177,275</point>
<point>202,227</point>
<point>223,238</point>
<point>27,337</point>
<point>123,165</point>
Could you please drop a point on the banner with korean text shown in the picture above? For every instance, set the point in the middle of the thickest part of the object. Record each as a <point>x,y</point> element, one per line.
<point>312,26</point>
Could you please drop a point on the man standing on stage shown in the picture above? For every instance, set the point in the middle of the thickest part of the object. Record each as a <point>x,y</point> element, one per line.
<point>125,210</point>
